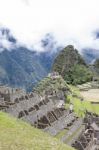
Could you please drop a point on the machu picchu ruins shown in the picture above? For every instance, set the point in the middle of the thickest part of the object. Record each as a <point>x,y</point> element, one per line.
<point>44,108</point>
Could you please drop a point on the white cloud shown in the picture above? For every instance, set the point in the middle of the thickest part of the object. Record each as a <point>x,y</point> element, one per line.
<point>71,21</point>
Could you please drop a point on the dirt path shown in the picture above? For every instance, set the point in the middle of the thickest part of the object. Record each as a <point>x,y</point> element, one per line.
<point>91,95</point>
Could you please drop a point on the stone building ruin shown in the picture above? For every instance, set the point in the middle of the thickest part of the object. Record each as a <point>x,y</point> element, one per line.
<point>47,112</point>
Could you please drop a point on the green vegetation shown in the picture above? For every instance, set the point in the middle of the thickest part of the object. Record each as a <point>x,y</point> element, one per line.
<point>78,74</point>
<point>96,64</point>
<point>80,105</point>
<point>96,67</point>
<point>74,90</point>
<point>18,135</point>
<point>22,67</point>
<point>95,108</point>
<point>73,134</point>
<point>42,84</point>
<point>72,67</point>
<point>73,95</point>
<point>49,84</point>
<point>61,133</point>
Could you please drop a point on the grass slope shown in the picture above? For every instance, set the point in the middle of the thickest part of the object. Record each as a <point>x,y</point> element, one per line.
<point>18,135</point>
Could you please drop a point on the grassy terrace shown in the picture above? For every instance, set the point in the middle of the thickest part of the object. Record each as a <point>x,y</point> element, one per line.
<point>91,95</point>
<point>61,133</point>
<point>64,131</point>
<point>81,106</point>
<point>18,135</point>
<point>95,107</point>
<point>73,134</point>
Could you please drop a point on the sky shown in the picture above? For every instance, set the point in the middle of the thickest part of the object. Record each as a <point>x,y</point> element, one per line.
<point>69,21</point>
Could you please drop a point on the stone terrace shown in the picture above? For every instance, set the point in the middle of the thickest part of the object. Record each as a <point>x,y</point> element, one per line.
<point>47,112</point>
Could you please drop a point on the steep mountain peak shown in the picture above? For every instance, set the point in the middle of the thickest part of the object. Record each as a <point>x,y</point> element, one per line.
<point>71,66</point>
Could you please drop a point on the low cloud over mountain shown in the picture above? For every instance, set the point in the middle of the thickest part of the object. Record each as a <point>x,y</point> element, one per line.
<point>71,21</point>
<point>23,67</point>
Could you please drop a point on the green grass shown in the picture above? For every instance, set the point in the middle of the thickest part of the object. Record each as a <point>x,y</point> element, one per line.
<point>81,106</point>
<point>50,84</point>
<point>73,134</point>
<point>18,135</point>
<point>61,133</point>
<point>95,107</point>
<point>74,90</point>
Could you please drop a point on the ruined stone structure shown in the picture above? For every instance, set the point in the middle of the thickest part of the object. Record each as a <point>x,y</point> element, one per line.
<point>89,138</point>
<point>9,94</point>
<point>47,112</point>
